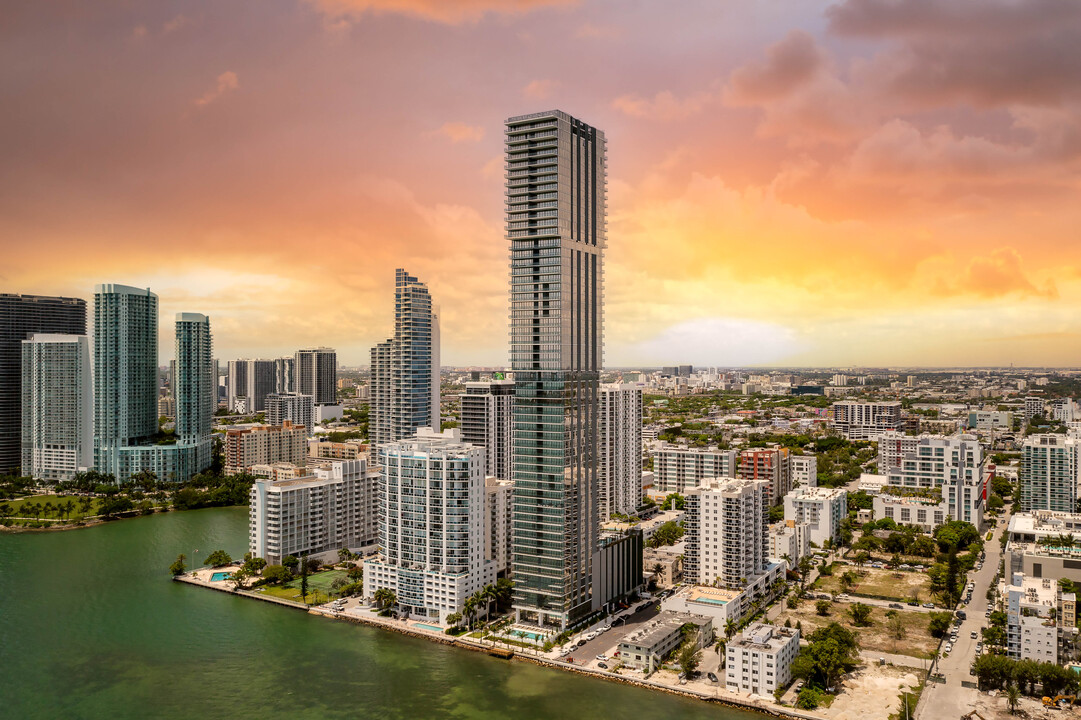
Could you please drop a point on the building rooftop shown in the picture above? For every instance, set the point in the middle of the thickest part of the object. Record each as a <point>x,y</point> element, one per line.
<point>661,627</point>
<point>805,492</point>
<point>765,637</point>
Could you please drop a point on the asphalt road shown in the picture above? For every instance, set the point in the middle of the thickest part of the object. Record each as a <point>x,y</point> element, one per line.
<point>950,700</point>
<point>607,642</point>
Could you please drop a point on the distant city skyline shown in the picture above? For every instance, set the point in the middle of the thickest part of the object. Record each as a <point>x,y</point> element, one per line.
<point>796,183</point>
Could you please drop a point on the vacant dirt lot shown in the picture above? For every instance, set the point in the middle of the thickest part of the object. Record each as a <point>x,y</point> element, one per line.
<point>917,641</point>
<point>871,693</point>
<point>884,583</point>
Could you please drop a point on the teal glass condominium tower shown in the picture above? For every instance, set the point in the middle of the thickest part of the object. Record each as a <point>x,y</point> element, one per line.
<point>556,226</point>
<point>126,388</point>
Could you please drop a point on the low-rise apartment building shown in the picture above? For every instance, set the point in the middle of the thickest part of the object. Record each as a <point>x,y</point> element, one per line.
<point>647,646</point>
<point>760,661</point>
<point>1041,620</point>
<point>1045,544</point>
<point>679,469</point>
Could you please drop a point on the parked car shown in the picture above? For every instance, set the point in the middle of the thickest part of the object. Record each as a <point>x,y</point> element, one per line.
<point>897,606</point>
<point>973,634</point>
<point>913,603</point>
<point>962,614</point>
<point>602,657</point>
<point>712,677</point>
<point>929,605</point>
<point>602,666</point>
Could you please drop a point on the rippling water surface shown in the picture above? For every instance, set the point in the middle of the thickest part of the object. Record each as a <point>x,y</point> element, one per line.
<point>91,627</point>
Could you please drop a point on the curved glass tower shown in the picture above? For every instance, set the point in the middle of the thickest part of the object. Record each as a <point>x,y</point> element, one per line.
<point>555,203</point>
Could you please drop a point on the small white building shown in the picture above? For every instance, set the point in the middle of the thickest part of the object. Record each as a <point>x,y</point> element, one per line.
<point>760,661</point>
<point>821,508</point>
<point>788,538</point>
<point>804,470</point>
<point>1039,618</point>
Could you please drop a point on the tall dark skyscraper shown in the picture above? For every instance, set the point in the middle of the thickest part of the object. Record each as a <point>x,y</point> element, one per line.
<point>556,226</point>
<point>21,316</point>
<point>317,374</point>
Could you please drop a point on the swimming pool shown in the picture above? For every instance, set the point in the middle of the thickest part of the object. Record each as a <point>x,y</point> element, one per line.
<point>710,601</point>
<point>436,628</point>
<point>219,576</point>
<point>526,633</point>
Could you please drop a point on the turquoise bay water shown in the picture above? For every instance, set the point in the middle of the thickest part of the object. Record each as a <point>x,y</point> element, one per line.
<point>92,627</point>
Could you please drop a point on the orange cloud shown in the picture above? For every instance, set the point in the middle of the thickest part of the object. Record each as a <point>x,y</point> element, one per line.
<point>227,82</point>
<point>458,132</point>
<point>539,89</point>
<point>662,106</point>
<point>450,12</point>
<point>1001,274</point>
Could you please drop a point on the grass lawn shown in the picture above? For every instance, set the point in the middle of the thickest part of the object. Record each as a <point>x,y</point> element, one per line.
<point>17,506</point>
<point>882,583</point>
<point>917,641</point>
<point>319,590</point>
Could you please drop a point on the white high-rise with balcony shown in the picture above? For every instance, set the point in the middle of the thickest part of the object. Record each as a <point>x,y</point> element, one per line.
<point>57,406</point>
<point>434,531</point>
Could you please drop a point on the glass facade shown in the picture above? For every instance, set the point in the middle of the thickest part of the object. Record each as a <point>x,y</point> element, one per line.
<point>405,368</point>
<point>556,227</point>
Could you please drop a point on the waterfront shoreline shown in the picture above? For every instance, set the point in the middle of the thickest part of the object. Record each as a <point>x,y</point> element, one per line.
<point>403,628</point>
<point>102,520</point>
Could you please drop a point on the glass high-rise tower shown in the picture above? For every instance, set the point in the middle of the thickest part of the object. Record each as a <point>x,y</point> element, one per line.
<point>125,372</point>
<point>195,378</point>
<point>556,226</point>
<point>20,317</point>
<point>405,368</point>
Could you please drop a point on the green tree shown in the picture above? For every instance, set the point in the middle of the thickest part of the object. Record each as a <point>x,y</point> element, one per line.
<point>848,579</point>
<point>178,567</point>
<point>385,599</point>
<point>453,619</point>
<point>239,578</point>
<point>822,607</point>
<point>809,698</point>
<point>217,559</point>
<point>276,574</point>
<point>939,623</point>
<point>861,614</point>
<point>667,534</point>
<point>291,562</point>
<point>689,657</point>
<point>896,627</point>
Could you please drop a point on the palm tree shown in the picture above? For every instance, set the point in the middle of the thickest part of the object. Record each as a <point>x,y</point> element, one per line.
<point>1013,696</point>
<point>490,595</point>
<point>68,507</point>
<point>468,608</point>
<point>48,509</point>
<point>729,630</point>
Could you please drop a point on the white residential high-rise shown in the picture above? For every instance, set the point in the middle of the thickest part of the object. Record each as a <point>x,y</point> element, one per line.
<point>486,421</point>
<point>804,470</point>
<point>1050,473</point>
<point>620,447</point>
<point>821,508</point>
<point>934,459</point>
<point>318,514</point>
<point>679,469</point>
<point>433,525</point>
<point>57,406</point>
<point>726,522</point>
<point>292,407</point>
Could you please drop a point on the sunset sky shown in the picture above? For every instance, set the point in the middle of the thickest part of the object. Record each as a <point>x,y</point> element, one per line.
<point>861,182</point>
